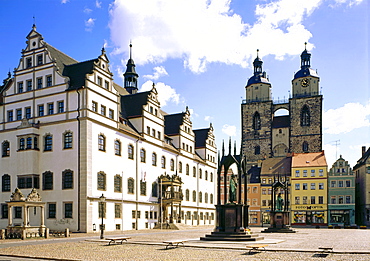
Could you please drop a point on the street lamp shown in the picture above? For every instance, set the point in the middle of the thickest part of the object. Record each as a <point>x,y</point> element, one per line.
<point>102,200</point>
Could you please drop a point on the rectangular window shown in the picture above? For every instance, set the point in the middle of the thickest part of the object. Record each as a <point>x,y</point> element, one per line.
<point>39,59</point>
<point>304,186</point>
<point>305,173</point>
<point>263,181</point>
<point>50,108</point>
<point>333,184</point>
<point>48,143</point>
<point>313,200</point>
<point>348,183</point>
<point>312,173</point>
<point>146,214</point>
<point>348,199</point>
<point>133,214</point>
<point>297,173</point>
<point>117,210</point>
<point>29,85</point>
<point>153,134</point>
<point>321,186</point>
<point>10,115</point>
<point>49,81</point>
<point>340,199</point>
<point>28,112</point>
<point>106,85</point>
<point>41,110</point>
<point>321,199</point>
<point>297,200</point>
<point>304,200</point>
<point>39,83</point>
<point>52,210</point>
<point>19,114</point>
<point>68,210</point>
<point>103,110</point>
<point>321,172</point>
<point>340,183</point>
<point>4,211</point>
<point>28,181</point>
<point>17,212</point>
<point>313,186</point>
<point>333,200</point>
<point>60,106</point>
<point>111,114</point>
<point>20,87</point>
<point>263,191</point>
<point>28,62</point>
<point>94,107</point>
<point>100,81</point>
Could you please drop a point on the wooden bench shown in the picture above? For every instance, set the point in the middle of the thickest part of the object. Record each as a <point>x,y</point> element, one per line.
<point>256,247</point>
<point>116,239</point>
<point>326,249</point>
<point>172,243</point>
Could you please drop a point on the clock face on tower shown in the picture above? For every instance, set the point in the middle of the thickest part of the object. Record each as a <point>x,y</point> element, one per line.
<point>305,82</point>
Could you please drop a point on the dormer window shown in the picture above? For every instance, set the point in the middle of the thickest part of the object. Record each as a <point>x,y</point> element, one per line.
<point>28,62</point>
<point>39,59</point>
<point>106,85</point>
<point>100,81</point>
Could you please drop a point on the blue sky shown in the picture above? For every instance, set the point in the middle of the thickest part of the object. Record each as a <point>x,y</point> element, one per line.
<point>199,53</point>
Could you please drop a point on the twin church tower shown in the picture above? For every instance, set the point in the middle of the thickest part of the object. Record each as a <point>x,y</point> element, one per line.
<point>264,133</point>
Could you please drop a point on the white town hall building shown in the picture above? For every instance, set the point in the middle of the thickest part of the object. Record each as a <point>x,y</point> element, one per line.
<point>68,131</point>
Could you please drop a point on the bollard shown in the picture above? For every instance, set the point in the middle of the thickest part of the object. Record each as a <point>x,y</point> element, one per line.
<point>66,232</point>
<point>47,232</point>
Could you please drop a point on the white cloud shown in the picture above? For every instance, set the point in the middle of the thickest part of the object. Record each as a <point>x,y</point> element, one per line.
<point>208,118</point>
<point>89,24</point>
<point>206,31</point>
<point>166,94</point>
<point>97,4</point>
<point>64,1</point>
<point>347,118</point>
<point>87,10</point>
<point>229,130</point>
<point>159,71</point>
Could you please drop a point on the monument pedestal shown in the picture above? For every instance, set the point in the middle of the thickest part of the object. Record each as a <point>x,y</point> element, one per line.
<point>231,224</point>
<point>279,223</point>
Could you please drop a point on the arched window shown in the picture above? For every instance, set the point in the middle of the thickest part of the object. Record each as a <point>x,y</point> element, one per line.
<point>142,155</point>
<point>35,143</point>
<point>211,199</point>
<point>187,195</point>
<point>163,162</point>
<point>6,149</point>
<point>67,140</point>
<point>101,142</point>
<point>257,150</point>
<point>154,159</point>
<point>180,167</point>
<point>47,180</point>
<point>48,143</point>
<point>117,148</point>
<point>305,116</point>
<point>117,183</point>
<point>154,189</point>
<point>67,179</point>
<point>130,150</point>
<point>200,197</point>
<point>206,197</point>
<point>142,188</point>
<point>211,177</point>
<point>256,121</point>
<point>21,143</point>
<point>194,172</point>
<point>200,173</point>
<point>305,146</point>
<point>102,181</point>
<point>130,186</point>
<point>194,196</point>
<point>187,169</point>
<point>29,143</point>
<point>172,165</point>
<point>5,182</point>
<point>206,175</point>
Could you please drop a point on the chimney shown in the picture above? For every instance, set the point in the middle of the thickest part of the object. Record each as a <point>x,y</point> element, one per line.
<point>363,150</point>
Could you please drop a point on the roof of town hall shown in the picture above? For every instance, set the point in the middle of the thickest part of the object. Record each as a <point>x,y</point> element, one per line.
<point>313,159</point>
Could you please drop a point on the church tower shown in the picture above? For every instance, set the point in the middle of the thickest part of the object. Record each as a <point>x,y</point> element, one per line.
<point>305,109</point>
<point>130,76</point>
<point>257,115</point>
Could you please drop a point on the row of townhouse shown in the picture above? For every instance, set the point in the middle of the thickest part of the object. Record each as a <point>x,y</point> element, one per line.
<point>74,137</point>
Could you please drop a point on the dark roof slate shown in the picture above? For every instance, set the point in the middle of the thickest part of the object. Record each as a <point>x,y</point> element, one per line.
<point>132,105</point>
<point>201,137</point>
<point>172,123</point>
<point>281,121</point>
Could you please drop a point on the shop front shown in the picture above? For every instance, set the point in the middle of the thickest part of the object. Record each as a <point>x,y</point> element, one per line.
<point>309,216</point>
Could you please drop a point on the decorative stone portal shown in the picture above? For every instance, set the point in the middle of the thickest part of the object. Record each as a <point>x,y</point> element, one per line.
<point>24,229</point>
<point>231,211</point>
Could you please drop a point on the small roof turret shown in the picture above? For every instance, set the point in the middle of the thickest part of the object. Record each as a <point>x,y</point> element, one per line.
<point>130,75</point>
<point>306,69</point>
<point>258,76</point>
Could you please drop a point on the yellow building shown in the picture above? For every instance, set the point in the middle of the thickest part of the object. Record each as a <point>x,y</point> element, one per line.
<point>309,203</point>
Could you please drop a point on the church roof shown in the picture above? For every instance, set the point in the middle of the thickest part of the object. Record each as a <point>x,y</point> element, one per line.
<point>305,72</point>
<point>276,166</point>
<point>257,79</point>
<point>281,121</point>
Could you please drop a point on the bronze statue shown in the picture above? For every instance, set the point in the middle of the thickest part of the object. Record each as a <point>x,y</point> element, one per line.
<point>279,203</point>
<point>232,188</point>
